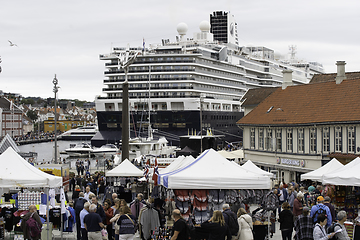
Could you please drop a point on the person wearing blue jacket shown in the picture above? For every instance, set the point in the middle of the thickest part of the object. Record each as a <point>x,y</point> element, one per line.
<point>320,208</point>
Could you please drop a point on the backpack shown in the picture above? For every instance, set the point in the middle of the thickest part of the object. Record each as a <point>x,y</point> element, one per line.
<point>233,224</point>
<point>319,211</point>
<point>331,229</point>
<point>79,205</point>
<point>33,227</point>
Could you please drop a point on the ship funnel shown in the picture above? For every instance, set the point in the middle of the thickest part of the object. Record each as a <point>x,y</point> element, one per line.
<point>340,72</point>
<point>287,78</point>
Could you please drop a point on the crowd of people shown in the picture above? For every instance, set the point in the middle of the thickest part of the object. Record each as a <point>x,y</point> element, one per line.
<point>315,221</point>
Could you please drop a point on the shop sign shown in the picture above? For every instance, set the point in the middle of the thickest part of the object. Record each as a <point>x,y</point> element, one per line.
<point>290,162</point>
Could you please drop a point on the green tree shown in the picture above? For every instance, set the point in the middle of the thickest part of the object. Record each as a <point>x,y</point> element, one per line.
<point>32,115</point>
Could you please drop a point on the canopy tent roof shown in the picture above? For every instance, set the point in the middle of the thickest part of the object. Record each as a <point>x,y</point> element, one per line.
<point>125,169</point>
<point>250,166</point>
<point>212,171</point>
<point>180,162</point>
<point>348,175</point>
<point>317,174</point>
<point>17,172</point>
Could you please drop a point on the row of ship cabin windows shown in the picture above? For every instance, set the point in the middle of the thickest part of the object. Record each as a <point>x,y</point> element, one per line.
<point>271,140</point>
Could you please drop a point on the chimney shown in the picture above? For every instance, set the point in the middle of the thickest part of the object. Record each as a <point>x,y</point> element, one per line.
<point>287,79</point>
<point>340,72</point>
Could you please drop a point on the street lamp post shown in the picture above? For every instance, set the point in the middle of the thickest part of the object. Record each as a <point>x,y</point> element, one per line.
<point>56,88</point>
<point>125,60</point>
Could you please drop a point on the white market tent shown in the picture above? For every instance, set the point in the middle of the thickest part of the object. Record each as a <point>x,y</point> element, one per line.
<point>125,169</point>
<point>212,171</point>
<point>17,172</point>
<point>250,166</point>
<point>348,175</point>
<point>179,162</point>
<point>317,175</point>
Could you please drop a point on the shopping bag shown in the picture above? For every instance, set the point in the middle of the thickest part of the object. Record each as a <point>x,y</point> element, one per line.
<point>104,234</point>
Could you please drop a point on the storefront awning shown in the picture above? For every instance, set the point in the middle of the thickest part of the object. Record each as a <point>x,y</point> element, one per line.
<point>284,167</point>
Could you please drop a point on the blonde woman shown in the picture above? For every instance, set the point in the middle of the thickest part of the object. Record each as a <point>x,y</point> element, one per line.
<point>117,215</point>
<point>216,227</point>
<point>245,225</point>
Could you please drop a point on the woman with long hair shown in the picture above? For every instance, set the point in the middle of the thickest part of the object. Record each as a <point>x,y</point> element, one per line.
<point>216,227</point>
<point>127,223</point>
<point>245,225</point>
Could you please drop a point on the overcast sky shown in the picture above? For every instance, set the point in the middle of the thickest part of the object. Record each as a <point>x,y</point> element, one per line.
<point>66,37</point>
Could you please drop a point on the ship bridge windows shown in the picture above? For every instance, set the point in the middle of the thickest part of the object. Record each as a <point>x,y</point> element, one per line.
<point>109,106</point>
<point>177,106</point>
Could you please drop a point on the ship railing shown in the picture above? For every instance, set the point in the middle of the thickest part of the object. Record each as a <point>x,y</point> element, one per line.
<point>147,79</point>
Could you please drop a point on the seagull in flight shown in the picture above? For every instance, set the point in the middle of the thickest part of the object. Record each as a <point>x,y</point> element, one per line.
<point>12,44</point>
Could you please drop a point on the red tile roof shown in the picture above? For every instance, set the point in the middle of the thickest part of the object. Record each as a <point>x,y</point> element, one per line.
<point>319,78</point>
<point>316,103</point>
<point>255,96</point>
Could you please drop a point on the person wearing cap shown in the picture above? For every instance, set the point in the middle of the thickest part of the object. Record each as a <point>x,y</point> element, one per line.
<point>303,226</point>
<point>327,203</point>
<point>321,208</point>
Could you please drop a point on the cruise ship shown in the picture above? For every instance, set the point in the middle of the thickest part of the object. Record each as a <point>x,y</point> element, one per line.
<point>187,82</point>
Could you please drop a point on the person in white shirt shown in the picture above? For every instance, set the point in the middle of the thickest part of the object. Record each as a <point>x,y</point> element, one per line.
<point>87,193</point>
<point>83,213</point>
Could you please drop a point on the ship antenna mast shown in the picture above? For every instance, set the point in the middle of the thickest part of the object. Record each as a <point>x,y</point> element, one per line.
<point>292,50</point>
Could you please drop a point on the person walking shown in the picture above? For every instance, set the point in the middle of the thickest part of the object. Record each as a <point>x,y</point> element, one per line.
<point>31,214</point>
<point>327,203</point>
<point>304,226</point>
<point>127,224</point>
<point>343,235</point>
<point>93,224</point>
<point>286,219</point>
<point>179,230</point>
<point>283,195</point>
<point>216,227</point>
<point>245,225</point>
<point>109,212</point>
<point>320,208</point>
<point>291,197</point>
<point>83,213</point>
<point>230,220</point>
<point>99,208</point>
<point>319,232</point>
<point>79,206</point>
<point>298,205</point>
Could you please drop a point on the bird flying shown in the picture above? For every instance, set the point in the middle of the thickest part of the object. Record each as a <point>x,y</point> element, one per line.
<point>12,44</point>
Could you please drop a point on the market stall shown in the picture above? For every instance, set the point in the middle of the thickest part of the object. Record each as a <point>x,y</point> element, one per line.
<point>347,192</point>
<point>316,175</point>
<point>206,183</point>
<point>122,178</point>
<point>17,172</point>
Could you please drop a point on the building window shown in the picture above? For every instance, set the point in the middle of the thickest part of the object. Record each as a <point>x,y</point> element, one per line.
<point>252,138</point>
<point>351,139</point>
<point>301,140</point>
<point>289,140</point>
<point>313,140</point>
<point>338,139</point>
<point>261,138</point>
<point>326,139</point>
<point>268,140</point>
<point>278,139</point>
